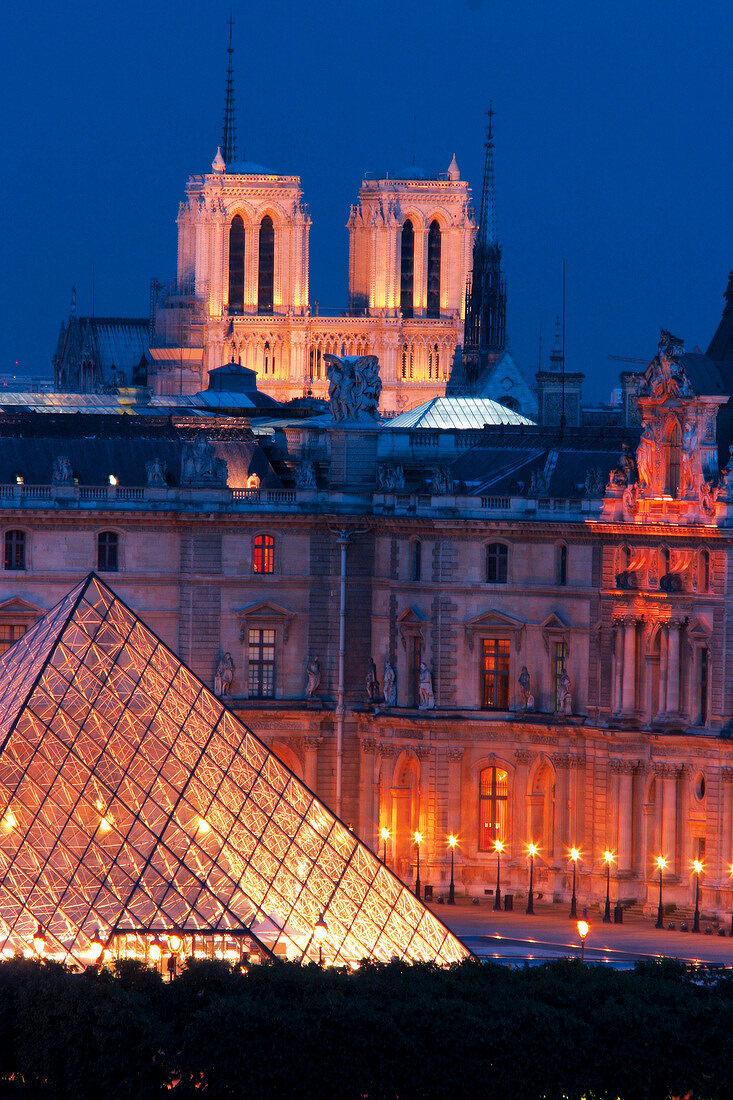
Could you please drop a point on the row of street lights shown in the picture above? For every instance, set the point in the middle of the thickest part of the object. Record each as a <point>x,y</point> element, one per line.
<point>532,850</point>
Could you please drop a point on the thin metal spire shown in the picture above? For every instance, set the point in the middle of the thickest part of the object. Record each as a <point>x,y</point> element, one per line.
<point>229,134</point>
<point>487,217</point>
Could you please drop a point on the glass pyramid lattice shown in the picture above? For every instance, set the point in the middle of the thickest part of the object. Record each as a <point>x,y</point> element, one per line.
<point>133,801</point>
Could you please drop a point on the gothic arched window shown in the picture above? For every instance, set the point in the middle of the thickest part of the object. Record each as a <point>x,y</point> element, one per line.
<point>236,265</point>
<point>433,302</point>
<point>672,460</point>
<point>266,273</point>
<point>407,269</point>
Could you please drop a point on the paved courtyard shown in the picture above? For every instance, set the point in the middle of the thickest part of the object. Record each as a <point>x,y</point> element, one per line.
<point>550,933</point>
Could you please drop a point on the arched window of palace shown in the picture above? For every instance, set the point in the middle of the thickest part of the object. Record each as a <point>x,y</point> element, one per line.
<point>266,273</point>
<point>493,802</point>
<point>562,564</point>
<point>236,265</point>
<point>672,460</point>
<point>704,571</point>
<point>433,300</point>
<point>415,560</point>
<point>407,269</point>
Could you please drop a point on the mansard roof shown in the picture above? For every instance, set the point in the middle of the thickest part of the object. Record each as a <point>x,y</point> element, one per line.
<point>134,802</point>
<point>721,345</point>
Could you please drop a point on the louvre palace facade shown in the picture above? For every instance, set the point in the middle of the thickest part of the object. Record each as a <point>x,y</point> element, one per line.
<point>453,621</point>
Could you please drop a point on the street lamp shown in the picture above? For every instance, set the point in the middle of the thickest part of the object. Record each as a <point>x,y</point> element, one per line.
<point>532,852</point>
<point>385,838</point>
<point>155,950</point>
<point>608,857</point>
<point>661,864</point>
<point>498,848</point>
<point>418,838</point>
<point>452,840</point>
<point>696,919</point>
<point>320,931</point>
<point>575,856</point>
<point>96,948</point>
<point>583,930</point>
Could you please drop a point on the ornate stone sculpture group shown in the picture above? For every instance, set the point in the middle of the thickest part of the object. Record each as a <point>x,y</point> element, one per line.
<point>354,386</point>
<point>200,467</point>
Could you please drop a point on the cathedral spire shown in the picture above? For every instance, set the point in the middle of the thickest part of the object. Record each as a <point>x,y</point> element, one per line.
<point>229,134</point>
<point>487,218</point>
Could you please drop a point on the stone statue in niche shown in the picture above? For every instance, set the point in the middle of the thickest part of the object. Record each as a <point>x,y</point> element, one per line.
<point>253,481</point>
<point>62,472</point>
<point>372,683</point>
<point>224,676</point>
<point>565,696</point>
<point>689,459</point>
<point>390,684</point>
<point>354,386</point>
<point>645,457</point>
<point>200,467</point>
<point>594,484</point>
<point>305,475</point>
<point>155,472</point>
<point>525,686</point>
<point>441,481</point>
<point>313,674</point>
<point>624,474</point>
<point>425,684</point>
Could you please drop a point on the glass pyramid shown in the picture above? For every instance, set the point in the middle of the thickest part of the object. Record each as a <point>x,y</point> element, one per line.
<point>133,804</point>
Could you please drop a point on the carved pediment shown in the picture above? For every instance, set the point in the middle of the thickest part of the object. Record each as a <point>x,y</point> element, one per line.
<point>19,606</point>
<point>700,630</point>
<point>554,629</point>
<point>494,622</point>
<point>265,613</point>
<point>410,624</point>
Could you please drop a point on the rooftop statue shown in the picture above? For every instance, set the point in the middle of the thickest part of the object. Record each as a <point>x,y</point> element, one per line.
<point>354,386</point>
<point>665,376</point>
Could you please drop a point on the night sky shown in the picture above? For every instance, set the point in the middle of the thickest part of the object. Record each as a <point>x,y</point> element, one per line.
<point>613,150</point>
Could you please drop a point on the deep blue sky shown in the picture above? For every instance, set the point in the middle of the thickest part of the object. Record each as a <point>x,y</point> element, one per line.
<point>613,149</point>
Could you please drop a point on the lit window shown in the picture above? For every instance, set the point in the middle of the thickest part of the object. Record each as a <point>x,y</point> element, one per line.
<point>9,634</point>
<point>407,268</point>
<point>495,674</point>
<point>433,297</point>
<point>108,552</point>
<point>264,554</point>
<point>236,266</point>
<point>496,563</point>
<point>266,273</point>
<point>15,549</point>
<point>261,664</point>
<point>492,807</point>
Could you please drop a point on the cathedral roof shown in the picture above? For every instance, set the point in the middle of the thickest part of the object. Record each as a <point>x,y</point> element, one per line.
<point>457,412</point>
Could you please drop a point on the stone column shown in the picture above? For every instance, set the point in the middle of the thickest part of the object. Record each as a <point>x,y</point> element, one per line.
<point>520,802</point>
<point>310,765</point>
<point>425,755</point>
<point>726,824</point>
<point>663,653</point>
<point>453,807</point>
<point>625,774</point>
<point>368,827</point>
<point>673,669</point>
<point>668,774</point>
<point>386,754</point>
<point>628,698</point>
<point>561,763</point>
<point>618,669</point>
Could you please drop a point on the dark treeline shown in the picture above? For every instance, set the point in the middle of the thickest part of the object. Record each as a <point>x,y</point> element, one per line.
<point>560,1030</point>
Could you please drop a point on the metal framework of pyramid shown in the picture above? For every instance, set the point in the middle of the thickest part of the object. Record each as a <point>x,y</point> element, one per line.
<point>133,802</point>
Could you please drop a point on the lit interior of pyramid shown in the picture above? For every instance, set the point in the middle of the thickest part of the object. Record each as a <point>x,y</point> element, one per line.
<point>136,808</point>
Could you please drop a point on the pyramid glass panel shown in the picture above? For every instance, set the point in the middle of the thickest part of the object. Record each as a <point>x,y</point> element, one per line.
<point>133,805</point>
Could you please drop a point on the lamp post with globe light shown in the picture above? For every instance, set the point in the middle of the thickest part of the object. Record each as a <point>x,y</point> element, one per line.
<point>385,838</point>
<point>575,856</point>
<point>697,865</point>
<point>608,858</point>
<point>661,864</point>
<point>320,931</point>
<point>418,839</point>
<point>452,840</point>
<point>532,852</point>
<point>583,930</point>
<point>498,848</point>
